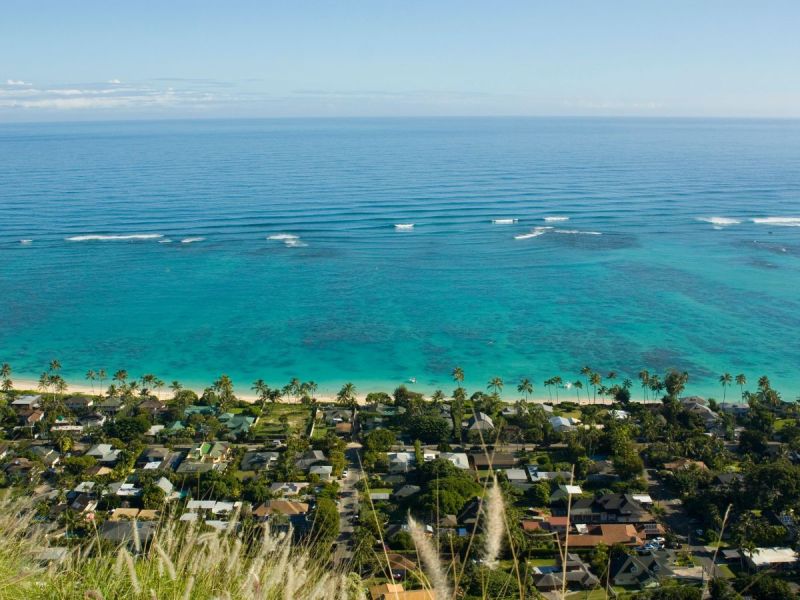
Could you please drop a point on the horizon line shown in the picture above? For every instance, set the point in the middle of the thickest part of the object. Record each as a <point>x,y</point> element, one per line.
<point>632,117</point>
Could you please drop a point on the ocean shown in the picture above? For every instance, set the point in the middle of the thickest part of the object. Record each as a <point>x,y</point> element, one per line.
<point>270,249</point>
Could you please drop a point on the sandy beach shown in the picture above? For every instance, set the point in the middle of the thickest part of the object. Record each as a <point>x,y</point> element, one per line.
<point>324,396</point>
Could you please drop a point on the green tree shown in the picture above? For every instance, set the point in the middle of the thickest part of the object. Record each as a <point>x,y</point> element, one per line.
<point>741,381</point>
<point>525,387</point>
<point>324,524</point>
<point>725,380</point>
<point>347,395</point>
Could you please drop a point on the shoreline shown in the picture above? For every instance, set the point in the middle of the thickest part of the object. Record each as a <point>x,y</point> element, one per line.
<point>325,397</point>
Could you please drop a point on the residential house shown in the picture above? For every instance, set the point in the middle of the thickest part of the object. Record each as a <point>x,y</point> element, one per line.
<point>498,460</point>
<point>121,532</point>
<point>608,534</point>
<point>770,558</point>
<point>104,453</point>
<point>28,402</point>
<point>109,406</point>
<point>324,472</point>
<point>79,403</point>
<point>561,424</point>
<point>401,462</point>
<point>683,464</point>
<point>259,461</point>
<point>406,491</point>
<point>609,508</point>
<point>237,424</point>
<point>480,422</point>
<point>310,458</point>
<point>459,459</point>
<point>578,576</point>
<point>292,488</point>
<point>280,507</point>
<point>640,571</point>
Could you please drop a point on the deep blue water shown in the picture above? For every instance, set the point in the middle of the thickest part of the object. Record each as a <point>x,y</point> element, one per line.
<point>352,298</point>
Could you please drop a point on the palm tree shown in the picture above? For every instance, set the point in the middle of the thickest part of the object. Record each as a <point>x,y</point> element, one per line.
<point>347,395</point>
<point>176,387</point>
<point>578,385</point>
<point>495,384</point>
<point>656,385</point>
<point>725,380</point>
<point>262,390</point>
<point>741,380</point>
<point>159,385</point>
<point>311,388</point>
<point>91,376</point>
<point>458,375</point>
<point>557,381</point>
<point>595,380</point>
<point>55,365</point>
<point>525,387</point>
<point>5,375</point>
<point>437,397</point>
<point>224,389</point>
<point>548,383</point>
<point>120,377</point>
<point>101,376</point>
<point>294,387</point>
<point>612,375</point>
<point>586,371</point>
<point>644,377</point>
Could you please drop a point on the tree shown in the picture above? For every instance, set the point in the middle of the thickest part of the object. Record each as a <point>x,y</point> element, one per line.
<point>379,440</point>
<point>5,378</point>
<point>595,380</point>
<point>153,496</point>
<point>496,385</point>
<point>725,380</point>
<point>457,410</point>
<point>431,429</point>
<point>644,377</point>
<point>224,389</point>
<point>741,380</point>
<point>347,395</point>
<point>675,382</point>
<point>324,524</point>
<point>458,375</point>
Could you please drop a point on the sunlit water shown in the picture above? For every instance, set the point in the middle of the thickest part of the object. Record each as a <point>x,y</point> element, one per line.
<point>270,249</point>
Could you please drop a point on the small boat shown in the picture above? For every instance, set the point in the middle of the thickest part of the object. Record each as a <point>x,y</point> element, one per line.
<point>412,380</point>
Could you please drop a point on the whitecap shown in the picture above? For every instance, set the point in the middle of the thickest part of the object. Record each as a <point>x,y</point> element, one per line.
<point>576,232</point>
<point>535,232</point>
<point>105,238</point>
<point>554,219</point>
<point>192,240</point>
<point>504,221</point>
<point>778,221</point>
<point>719,221</point>
<point>26,242</point>
<point>282,237</point>
<point>294,243</point>
<point>404,226</point>
<point>167,241</point>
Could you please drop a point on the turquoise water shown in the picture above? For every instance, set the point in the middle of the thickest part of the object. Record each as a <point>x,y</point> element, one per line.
<point>353,298</point>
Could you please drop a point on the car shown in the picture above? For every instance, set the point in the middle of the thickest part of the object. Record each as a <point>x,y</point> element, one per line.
<point>345,473</point>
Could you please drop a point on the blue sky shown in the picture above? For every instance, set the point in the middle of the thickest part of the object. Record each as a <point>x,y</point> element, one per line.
<point>114,59</point>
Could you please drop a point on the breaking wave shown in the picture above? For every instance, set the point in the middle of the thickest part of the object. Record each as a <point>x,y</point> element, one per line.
<point>535,232</point>
<point>719,221</point>
<point>778,221</point>
<point>192,240</point>
<point>404,226</point>
<point>556,219</point>
<point>108,238</point>
<point>576,232</point>
<point>504,221</point>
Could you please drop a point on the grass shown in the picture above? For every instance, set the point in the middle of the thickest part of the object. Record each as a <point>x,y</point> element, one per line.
<point>182,562</point>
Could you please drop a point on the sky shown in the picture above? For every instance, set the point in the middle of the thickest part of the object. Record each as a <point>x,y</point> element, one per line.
<point>113,59</point>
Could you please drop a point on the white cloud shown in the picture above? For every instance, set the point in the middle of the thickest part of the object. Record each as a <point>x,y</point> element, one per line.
<point>16,82</point>
<point>114,81</point>
<point>102,96</point>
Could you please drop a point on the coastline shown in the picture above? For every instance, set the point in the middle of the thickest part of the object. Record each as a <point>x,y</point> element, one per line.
<point>324,397</point>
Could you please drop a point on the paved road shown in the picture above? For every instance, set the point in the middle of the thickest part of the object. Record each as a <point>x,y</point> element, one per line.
<point>348,506</point>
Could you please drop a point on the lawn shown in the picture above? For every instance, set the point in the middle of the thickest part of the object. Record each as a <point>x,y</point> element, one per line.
<point>281,420</point>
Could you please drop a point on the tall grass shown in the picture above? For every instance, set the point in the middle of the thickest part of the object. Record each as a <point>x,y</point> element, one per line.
<point>183,562</point>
